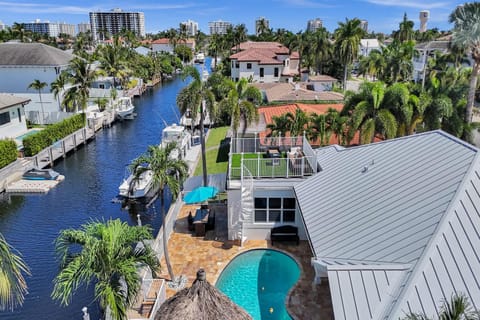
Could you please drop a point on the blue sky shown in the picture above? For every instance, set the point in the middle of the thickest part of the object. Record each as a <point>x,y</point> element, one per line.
<point>382,15</point>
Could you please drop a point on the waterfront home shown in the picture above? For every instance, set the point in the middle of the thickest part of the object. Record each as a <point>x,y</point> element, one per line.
<point>164,45</point>
<point>394,226</point>
<point>12,116</point>
<point>264,62</point>
<point>321,83</point>
<point>291,92</point>
<point>367,45</point>
<point>21,64</point>
<point>426,51</point>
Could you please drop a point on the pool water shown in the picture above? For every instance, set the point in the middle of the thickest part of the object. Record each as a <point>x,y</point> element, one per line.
<point>29,133</point>
<point>258,281</point>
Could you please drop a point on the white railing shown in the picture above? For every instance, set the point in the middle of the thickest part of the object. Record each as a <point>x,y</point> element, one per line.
<point>309,154</point>
<point>257,144</point>
<point>277,167</point>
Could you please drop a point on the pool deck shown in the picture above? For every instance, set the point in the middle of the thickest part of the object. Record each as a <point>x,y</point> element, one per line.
<point>213,252</point>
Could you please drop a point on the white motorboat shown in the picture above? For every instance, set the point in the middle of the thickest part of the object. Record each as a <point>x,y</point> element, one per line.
<point>136,188</point>
<point>180,136</point>
<point>124,108</point>
<point>199,58</point>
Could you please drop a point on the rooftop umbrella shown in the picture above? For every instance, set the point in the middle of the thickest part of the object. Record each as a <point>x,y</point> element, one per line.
<point>200,194</point>
<point>201,301</point>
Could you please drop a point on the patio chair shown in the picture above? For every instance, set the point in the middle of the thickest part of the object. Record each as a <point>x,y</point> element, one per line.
<point>190,221</point>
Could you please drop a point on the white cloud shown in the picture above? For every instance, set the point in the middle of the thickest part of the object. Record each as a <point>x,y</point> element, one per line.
<point>411,4</point>
<point>305,4</point>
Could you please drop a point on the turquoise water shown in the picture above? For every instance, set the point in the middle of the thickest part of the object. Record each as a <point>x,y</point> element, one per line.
<point>258,281</point>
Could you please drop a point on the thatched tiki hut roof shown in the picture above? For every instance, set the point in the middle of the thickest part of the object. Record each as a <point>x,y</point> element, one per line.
<point>201,301</point>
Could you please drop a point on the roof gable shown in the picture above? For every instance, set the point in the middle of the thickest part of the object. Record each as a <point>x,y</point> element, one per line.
<point>32,54</point>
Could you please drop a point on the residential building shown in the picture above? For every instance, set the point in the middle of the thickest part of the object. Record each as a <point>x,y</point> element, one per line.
<point>191,26</point>
<point>322,83</point>
<point>424,15</point>
<point>426,51</point>
<point>261,23</point>
<point>83,27</point>
<point>392,225</point>
<point>67,29</point>
<point>367,45</point>
<point>23,63</point>
<point>219,27</point>
<point>45,27</point>
<point>364,25</point>
<point>164,45</point>
<point>115,21</point>
<point>313,25</point>
<point>264,62</point>
<point>12,116</point>
<point>318,89</point>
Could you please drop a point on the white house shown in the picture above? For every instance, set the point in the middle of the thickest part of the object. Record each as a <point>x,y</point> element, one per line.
<point>394,226</point>
<point>21,64</point>
<point>367,45</point>
<point>426,51</point>
<point>12,116</point>
<point>264,62</point>
<point>164,45</point>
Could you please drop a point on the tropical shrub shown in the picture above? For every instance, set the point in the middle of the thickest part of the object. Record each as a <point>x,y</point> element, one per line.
<point>8,152</point>
<point>37,142</point>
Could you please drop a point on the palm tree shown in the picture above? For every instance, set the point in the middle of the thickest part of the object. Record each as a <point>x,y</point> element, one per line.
<point>405,31</point>
<point>466,32</point>
<point>114,62</point>
<point>298,122</point>
<point>110,254</point>
<point>458,308</point>
<point>195,98</point>
<point>240,35</point>
<point>39,85</point>
<point>280,125</point>
<point>347,43</point>
<point>322,48</point>
<point>12,284</point>
<point>369,113</point>
<point>167,172</point>
<point>241,102</point>
<point>19,32</point>
<point>57,86</point>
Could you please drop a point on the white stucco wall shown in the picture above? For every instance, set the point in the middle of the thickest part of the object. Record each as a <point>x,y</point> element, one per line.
<point>254,72</point>
<point>16,126</point>
<point>162,47</point>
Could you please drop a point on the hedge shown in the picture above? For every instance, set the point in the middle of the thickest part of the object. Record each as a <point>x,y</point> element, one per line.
<point>8,152</point>
<point>37,142</point>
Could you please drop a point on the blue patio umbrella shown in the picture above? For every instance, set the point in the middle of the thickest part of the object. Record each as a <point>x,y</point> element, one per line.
<point>200,194</point>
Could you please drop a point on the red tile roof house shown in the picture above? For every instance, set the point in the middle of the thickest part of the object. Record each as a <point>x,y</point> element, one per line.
<point>164,45</point>
<point>264,62</point>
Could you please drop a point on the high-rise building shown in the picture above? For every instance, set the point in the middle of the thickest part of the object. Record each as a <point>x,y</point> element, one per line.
<point>219,27</point>
<point>261,24</point>
<point>313,25</point>
<point>83,27</point>
<point>2,26</point>
<point>191,26</point>
<point>424,15</point>
<point>67,29</point>
<point>115,21</point>
<point>364,25</point>
<point>45,27</point>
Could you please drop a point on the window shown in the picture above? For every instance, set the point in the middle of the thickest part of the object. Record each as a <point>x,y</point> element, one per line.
<point>275,209</point>
<point>4,118</point>
<point>19,115</point>
<point>261,73</point>
<point>237,65</point>
<point>275,72</point>
<point>249,66</point>
<point>233,64</point>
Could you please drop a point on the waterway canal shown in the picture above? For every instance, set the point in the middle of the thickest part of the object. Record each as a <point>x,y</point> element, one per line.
<point>92,176</point>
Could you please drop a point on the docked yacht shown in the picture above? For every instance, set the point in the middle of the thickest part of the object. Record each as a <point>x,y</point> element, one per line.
<point>132,188</point>
<point>124,108</point>
<point>179,135</point>
<point>199,58</point>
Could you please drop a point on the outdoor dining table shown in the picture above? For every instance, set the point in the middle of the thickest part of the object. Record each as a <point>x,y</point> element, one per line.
<point>199,221</point>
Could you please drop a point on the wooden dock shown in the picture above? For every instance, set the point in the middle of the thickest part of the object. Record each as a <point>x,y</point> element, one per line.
<point>33,186</point>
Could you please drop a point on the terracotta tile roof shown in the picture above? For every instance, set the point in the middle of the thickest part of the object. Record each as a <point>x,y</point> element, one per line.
<point>262,56</point>
<point>322,78</point>
<point>285,92</point>
<point>276,47</point>
<point>295,55</point>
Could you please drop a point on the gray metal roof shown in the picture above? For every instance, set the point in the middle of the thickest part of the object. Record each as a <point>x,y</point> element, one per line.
<point>32,54</point>
<point>408,201</point>
<point>8,100</point>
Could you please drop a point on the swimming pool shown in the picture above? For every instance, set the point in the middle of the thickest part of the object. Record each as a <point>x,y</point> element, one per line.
<point>258,281</point>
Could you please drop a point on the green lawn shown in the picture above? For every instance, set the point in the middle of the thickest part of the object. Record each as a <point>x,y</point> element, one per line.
<point>217,152</point>
<point>263,168</point>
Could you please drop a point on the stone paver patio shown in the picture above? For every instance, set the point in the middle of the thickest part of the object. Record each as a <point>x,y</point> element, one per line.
<point>213,252</point>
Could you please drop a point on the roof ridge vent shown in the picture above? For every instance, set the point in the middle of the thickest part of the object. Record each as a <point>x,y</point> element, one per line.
<point>365,168</point>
